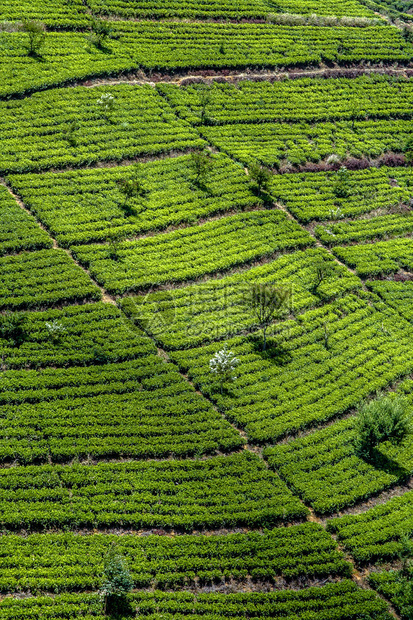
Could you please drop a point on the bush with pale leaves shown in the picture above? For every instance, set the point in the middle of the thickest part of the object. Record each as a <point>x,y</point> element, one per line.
<point>223,365</point>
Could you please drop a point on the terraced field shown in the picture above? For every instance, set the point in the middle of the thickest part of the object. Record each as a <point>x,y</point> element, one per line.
<point>160,163</point>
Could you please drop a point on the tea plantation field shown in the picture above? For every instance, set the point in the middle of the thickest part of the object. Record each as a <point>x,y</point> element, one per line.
<point>170,450</point>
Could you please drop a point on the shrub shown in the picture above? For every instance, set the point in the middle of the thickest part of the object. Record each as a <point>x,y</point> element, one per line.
<point>101,30</point>
<point>36,31</point>
<point>117,582</point>
<point>260,177</point>
<point>201,163</point>
<point>383,419</point>
<point>13,326</point>
<point>223,364</point>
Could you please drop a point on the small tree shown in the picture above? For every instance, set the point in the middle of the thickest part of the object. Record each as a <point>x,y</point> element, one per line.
<point>114,248</point>
<point>36,31</point>
<point>260,178</point>
<point>342,185</point>
<point>321,270</point>
<point>408,151</point>
<point>13,327</point>
<point>117,582</point>
<point>205,99</point>
<point>101,31</point>
<point>201,163</point>
<point>223,365</point>
<point>55,330</point>
<point>268,303</point>
<point>133,187</point>
<point>383,419</point>
<point>69,133</point>
<point>107,103</point>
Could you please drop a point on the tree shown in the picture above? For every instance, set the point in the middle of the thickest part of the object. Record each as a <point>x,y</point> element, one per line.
<point>101,30</point>
<point>133,187</point>
<point>342,185</point>
<point>201,163</point>
<point>13,326</point>
<point>36,31</point>
<point>260,177</point>
<point>69,133</point>
<point>268,303</point>
<point>384,419</point>
<point>321,270</point>
<point>107,103</point>
<point>55,330</point>
<point>223,364</point>
<point>408,151</point>
<point>117,582</point>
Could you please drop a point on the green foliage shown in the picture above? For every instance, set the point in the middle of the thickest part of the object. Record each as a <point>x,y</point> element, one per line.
<point>14,327</point>
<point>384,419</point>
<point>36,32</point>
<point>268,303</point>
<point>260,178</point>
<point>186,254</point>
<point>201,163</point>
<point>101,31</point>
<point>69,133</point>
<point>62,561</point>
<point>342,185</point>
<point>117,582</point>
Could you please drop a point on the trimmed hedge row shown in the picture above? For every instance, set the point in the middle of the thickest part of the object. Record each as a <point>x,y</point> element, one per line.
<point>191,494</point>
<point>88,205</point>
<point>140,409</point>
<point>193,252</point>
<point>336,601</point>
<point>198,314</point>
<point>19,230</point>
<point>41,279</point>
<point>316,367</point>
<point>36,130</point>
<point>69,562</point>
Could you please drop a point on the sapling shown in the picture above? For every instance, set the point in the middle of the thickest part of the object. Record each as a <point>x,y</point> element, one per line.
<point>223,365</point>
<point>342,183</point>
<point>36,31</point>
<point>107,102</point>
<point>201,163</point>
<point>260,177</point>
<point>117,582</point>
<point>69,133</point>
<point>55,330</point>
<point>268,303</point>
<point>321,270</point>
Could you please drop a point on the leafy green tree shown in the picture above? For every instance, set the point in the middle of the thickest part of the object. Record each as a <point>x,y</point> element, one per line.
<point>101,31</point>
<point>260,178</point>
<point>384,419</point>
<point>69,133</point>
<point>342,185</point>
<point>14,327</point>
<point>36,32</point>
<point>408,151</point>
<point>321,269</point>
<point>201,163</point>
<point>117,582</point>
<point>268,303</point>
<point>133,187</point>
